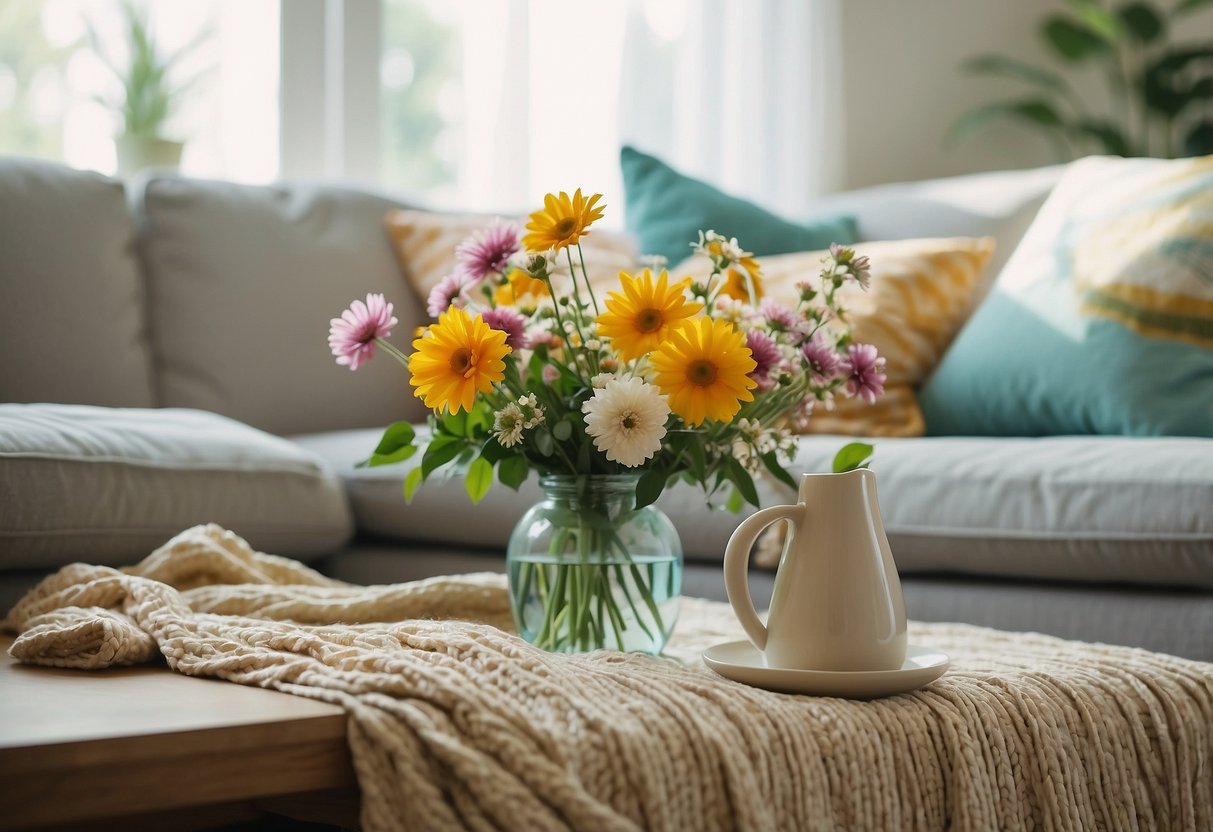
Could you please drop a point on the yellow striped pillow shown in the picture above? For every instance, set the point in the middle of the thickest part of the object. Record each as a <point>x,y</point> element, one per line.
<point>921,292</point>
<point>425,241</point>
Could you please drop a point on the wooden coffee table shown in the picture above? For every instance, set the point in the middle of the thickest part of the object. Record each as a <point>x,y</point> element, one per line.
<point>149,748</point>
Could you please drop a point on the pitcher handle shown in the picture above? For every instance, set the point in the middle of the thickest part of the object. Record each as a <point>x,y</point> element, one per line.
<point>737,562</point>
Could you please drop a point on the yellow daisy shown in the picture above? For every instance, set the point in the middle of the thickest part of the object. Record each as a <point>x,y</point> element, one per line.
<point>458,357</point>
<point>640,318</point>
<point>738,279</point>
<point>519,288</point>
<point>562,222</point>
<point>703,368</point>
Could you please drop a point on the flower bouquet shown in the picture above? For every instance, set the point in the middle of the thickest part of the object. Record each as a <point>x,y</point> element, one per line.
<point>610,394</point>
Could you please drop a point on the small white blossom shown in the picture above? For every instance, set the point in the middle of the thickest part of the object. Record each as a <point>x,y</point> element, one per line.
<point>626,419</point>
<point>593,344</point>
<point>529,400</point>
<point>508,424</point>
<point>602,379</point>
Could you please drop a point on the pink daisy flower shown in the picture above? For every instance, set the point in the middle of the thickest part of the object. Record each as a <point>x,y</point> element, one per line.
<point>865,369</point>
<point>508,321</point>
<point>766,355</point>
<point>448,292</point>
<point>352,336</point>
<point>822,360</point>
<point>487,251</point>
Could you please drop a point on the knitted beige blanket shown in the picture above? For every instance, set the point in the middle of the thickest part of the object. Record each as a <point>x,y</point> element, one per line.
<point>455,723</point>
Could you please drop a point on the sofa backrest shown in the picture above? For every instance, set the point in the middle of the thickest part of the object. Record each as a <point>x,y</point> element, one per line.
<point>241,283</point>
<point>72,313</point>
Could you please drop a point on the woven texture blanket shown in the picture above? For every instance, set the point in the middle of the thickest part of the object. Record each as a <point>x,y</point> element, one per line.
<point>456,723</point>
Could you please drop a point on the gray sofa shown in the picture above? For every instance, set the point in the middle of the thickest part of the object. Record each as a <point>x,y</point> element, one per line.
<point>165,364</point>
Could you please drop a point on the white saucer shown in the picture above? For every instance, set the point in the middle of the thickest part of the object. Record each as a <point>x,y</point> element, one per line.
<point>742,662</point>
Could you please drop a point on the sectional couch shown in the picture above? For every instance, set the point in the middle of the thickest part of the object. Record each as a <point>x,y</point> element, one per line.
<point>165,364</point>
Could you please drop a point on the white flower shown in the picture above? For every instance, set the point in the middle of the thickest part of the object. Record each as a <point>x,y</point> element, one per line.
<point>627,420</point>
<point>508,424</point>
<point>602,379</point>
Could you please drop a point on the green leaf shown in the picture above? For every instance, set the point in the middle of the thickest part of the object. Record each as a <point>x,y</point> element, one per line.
<point>456,424</point>
<point>735,502</point>
<point>1142,21</point>
<point>1033,111</point>
<point>771,461</point>
<point>544,443</point>
<point>852,456</point>
<point>1073,41</point>
<point>562,430</point>
<point>412,482</point>
<point>649,487</point>
<point>442,449</point>
<point>1165,85</point>
<point>479,479</point>
<point>1199,141</point>
<point>740,477</point>
<point>494,451</point>
<point>699,460</point>
<point>1005,67</point>
<point>1100,21</point>
<point>395,446</point>
<point>1111,140</point>
<point>512,471</point>
<point>1189,6</point>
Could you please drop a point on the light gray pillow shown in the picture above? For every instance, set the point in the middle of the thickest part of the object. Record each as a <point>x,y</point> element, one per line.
<point>109,485</point>
<point>243,281</point>
<point>71,294</point>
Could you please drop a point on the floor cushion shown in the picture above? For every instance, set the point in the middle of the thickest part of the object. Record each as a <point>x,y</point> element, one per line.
<point>108,485</point>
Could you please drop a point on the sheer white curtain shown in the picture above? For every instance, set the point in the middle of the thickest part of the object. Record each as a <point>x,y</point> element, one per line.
<point>743,93</point>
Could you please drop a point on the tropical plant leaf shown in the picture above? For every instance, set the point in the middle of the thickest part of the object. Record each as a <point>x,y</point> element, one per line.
<point>1199,141</point>
<point>1100,21</point>
<point>1142,21</point>
<point>1005,67</point>
<point>1111,140</point>
<point>1165,83</point>
<point>851,456</point>
<point>1071,40</point>
<point>479,479</point>
<point>1189,6</point>
<point>1033,111</point>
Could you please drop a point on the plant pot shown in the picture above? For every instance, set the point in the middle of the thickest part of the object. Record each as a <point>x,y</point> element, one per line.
<point>587,570</point>
<point>138,152</point>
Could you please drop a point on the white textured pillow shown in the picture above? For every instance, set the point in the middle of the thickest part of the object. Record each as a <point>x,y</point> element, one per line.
<point>108,485</point>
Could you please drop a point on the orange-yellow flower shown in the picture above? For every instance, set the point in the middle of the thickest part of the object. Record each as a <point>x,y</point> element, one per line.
<point>562,222</point>
<point>639,318</point>
<point>702,367</point>
<point>458,357</point>
<point>519,287</point>
<point>740,277</point>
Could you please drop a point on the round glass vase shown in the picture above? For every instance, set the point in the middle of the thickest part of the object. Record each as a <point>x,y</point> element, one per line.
<point>588,570</point>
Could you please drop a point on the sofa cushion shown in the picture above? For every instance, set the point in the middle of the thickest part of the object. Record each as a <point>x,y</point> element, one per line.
<point>666,210</point>
<point>108,485</point>
<point>1113,508</point>
<point>1106,509</point>
<point>1102,322</point>
<point>71,295</point>
<point>917,300</point>
<point>243,282</point>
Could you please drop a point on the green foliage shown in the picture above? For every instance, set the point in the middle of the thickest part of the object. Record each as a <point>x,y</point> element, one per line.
<point>852,456</point>
<point>1160,90</point>
<point>148,96</point>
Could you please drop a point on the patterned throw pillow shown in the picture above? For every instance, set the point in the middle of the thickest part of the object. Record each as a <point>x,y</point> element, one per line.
<point>1102,320</point>
<point>921,291</point>
<point>425,241</point>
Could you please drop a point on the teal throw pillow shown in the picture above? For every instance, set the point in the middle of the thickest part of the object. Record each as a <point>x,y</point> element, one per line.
<point>1102,320</point>
<point>666,211</point>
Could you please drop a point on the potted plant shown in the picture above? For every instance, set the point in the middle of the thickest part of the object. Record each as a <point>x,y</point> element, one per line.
<point>148,97</point>
<point>1160,90</point>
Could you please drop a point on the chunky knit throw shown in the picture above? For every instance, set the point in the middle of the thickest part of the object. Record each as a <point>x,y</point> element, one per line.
<point>456,723</point>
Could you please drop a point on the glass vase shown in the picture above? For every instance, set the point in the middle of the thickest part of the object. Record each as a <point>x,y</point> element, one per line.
<point>588,570</point>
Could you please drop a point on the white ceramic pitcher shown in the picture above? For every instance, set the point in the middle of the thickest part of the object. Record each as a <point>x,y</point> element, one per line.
<point>837,602</point>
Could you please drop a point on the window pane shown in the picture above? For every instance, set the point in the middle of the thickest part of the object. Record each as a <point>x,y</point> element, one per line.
<point>61,94</point>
